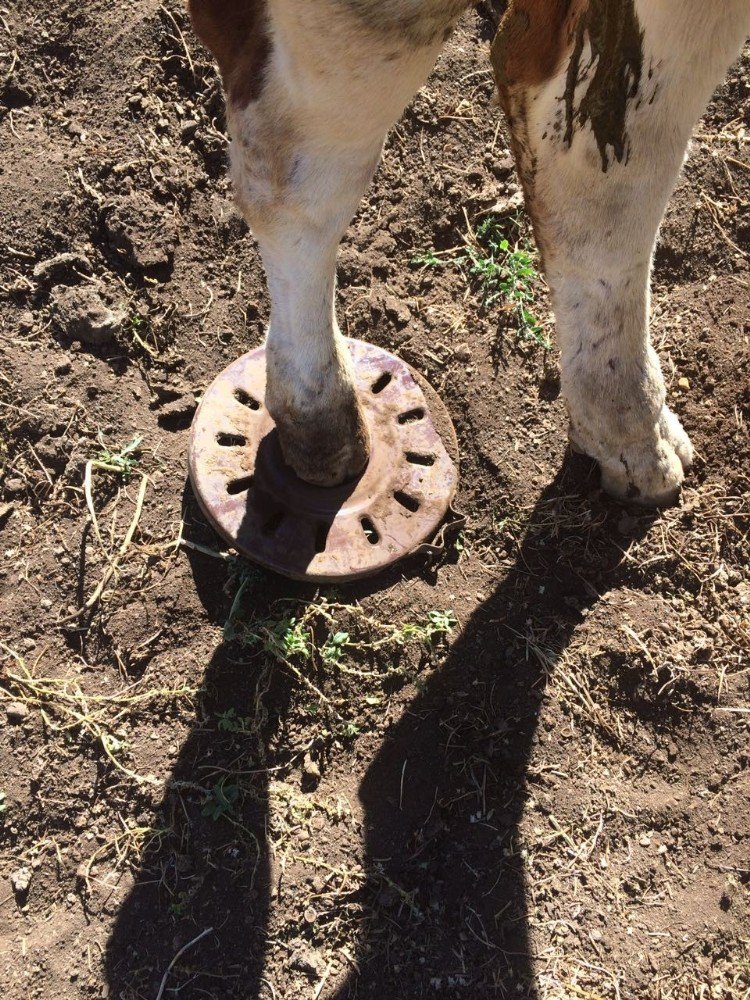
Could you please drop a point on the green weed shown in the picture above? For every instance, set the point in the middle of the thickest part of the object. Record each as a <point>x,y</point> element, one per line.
<point>323,645</point>
<point>230,722</point>
<point>438,625</point>
<point>502,271</point>
<point>140,329</point>
<point>430,259</point>
<point>293,636</point>
<point>287,639</point>
<point>221,801</point>
<point>245,577</point>
<point>123,461</point>
<point>333,649</point>
<point>178,908</point>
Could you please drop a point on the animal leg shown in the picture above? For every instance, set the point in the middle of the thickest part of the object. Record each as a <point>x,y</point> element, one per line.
<point>602,96</point>
<point>312,88</point>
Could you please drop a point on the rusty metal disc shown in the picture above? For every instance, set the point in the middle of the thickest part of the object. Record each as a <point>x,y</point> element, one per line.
<point>324,534</point>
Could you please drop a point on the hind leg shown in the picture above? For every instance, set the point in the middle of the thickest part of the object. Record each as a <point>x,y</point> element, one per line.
<point>601,106</point>
<point>312,88</point>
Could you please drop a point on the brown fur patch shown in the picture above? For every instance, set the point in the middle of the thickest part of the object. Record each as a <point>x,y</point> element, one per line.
<point>533,38</point>
<point>236,33</point>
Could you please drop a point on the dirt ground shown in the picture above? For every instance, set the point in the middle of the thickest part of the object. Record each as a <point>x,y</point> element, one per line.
<point>519,770</point>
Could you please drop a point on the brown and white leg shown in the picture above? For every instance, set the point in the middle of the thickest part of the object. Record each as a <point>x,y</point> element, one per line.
<point>601,104</point>
<point>329,80</point>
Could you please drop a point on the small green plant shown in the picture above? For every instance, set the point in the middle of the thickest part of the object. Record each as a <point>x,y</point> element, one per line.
<point>221,801</point>
<point>123,461</point>
<point>139,329</point>
<point>287,638</point>
<point>438,625</point>
<point>178,907</point>
<point>112,744</point>
<point>507,272</point>
<point>431,259</point>
<point>245,577</point>
<point>502,270</point>
<point>332,650</point>
<point>230,722</point>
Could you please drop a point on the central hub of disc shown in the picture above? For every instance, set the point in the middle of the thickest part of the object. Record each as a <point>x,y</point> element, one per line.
<point>326,534</point>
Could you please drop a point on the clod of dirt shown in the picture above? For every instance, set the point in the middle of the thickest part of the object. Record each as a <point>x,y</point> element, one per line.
<point>20,881</point>
<point>14,487</point>
<point>53,452</point>
<point>310,768</point>
<point>177,413</point>
<point>16,712</point>
<point>16,94</point>
<point>81,313</point>
<point>305,960</point>
<point>627,525</point>
<point>26,321</point>
<point>509,205</point>
<point>141,232</point>
<point>310,773</point>
<point>503,168</point>
<point>397,310</point>
<point>63,269</point>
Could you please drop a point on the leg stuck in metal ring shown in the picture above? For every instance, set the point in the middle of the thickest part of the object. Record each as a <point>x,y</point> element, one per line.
<point>324,534</point>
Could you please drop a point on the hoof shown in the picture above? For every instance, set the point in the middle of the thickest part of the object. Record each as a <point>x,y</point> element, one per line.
<point>325,449</point>
<point>648,472</point>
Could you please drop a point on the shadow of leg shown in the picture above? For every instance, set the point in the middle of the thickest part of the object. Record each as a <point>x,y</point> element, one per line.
<point>204,865</point>
<point>445,907</point>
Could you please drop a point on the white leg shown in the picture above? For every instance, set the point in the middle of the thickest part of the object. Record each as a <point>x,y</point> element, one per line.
<point>600,143</point>
<point>334,77</point>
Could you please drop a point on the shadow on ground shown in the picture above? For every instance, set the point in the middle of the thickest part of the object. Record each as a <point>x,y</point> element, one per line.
<point>444,908</point>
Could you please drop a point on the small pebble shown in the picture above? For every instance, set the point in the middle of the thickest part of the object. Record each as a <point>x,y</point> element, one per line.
<point>20,880</point>
<point>14,486</point>
<point>310,768</point>
<point>16,712</point>
<point>26,321</point>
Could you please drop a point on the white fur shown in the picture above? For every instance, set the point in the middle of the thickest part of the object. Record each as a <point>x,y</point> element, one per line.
<point>599,228</point>
<point>302,156</point>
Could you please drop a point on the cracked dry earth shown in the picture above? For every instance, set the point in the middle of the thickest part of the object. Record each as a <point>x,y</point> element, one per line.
<point>543,793</point>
